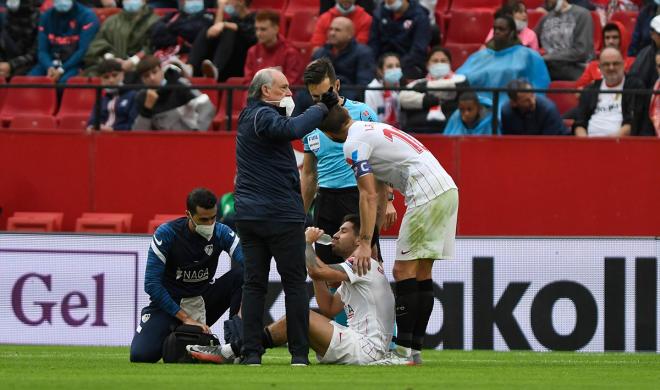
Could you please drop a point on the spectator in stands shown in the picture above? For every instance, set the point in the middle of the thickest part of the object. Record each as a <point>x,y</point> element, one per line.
<point>424,111</point>
<point>485,68</point>
<point>518,11</point>
<point>566,37</point>
<point>367,5</point>
<point>18,37</point>
<point>642,35</point>
<point>386,102</point>
<point>473,117</point>
<point>169,109</point>
<point>65,32</point>
<point>219,52</point>
<point>348,9</point>
<point>644,66</point>
<point>118,109</point>
<point>611,114</point>
<point>272,50</point>
<point>654,109</point>
<point>529,114</point>
<point>402,27</point>
<point>173,35</point>
<point>353,61</point>
<point>614,35</point>
<point>124,36</point>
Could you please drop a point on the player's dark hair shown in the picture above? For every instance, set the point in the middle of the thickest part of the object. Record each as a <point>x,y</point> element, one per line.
<point>201,197</point>
<point>318,70</point>
<point>611,27</point>
<point>355,220</point>
<point>515,86</point>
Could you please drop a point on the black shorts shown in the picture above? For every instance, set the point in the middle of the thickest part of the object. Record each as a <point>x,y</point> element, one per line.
<point>332,205</point>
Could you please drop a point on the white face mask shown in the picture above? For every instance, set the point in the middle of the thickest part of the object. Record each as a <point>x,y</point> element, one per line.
<point>439,70</point>
<point>13,5</point>
<point>520,25</point>
<point>287,103</point>
<point>205,231</point>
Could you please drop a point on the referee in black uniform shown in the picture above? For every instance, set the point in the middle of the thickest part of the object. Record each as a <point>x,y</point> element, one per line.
<point>269,210</point>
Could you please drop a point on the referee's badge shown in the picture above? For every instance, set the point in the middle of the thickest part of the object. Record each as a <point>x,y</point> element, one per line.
<point>314,142</point>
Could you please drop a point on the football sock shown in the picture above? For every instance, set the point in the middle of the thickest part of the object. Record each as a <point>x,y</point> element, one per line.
<point>406,312</point>
<point>424,309</point>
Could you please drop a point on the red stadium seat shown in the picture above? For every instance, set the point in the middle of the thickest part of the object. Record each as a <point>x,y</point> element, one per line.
<point>72,121</point>
<point>480,22</point>
<point>564,101</point>
<point>104,223</point>
<point>35,222</point>
<point>533,4</point>
<point>442,6</point>
<point>76,101</point>
<point>277,5</point>
<point>598,30</point>
<point>472,4</point>
<point>239,99</point>
<point>42,122</point>
<point>627,18</point>
<point>29,101</point>
<point>533,18</point>
<point>460,52</point>
<point>160,219</point>
<point>213,94</point>
<point>294,6</point>
<point>104,13</point>
<point>305,49</point>
<point>164,11</point>
<point>302,26</point>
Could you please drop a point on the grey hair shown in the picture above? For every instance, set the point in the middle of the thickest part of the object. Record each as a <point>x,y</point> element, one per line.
<point>261,78</point>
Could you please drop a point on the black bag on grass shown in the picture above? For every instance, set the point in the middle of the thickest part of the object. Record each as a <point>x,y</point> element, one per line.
<point>174,346</point>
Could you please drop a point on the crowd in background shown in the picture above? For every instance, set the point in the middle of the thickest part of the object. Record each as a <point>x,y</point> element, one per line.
<point>382,44</point>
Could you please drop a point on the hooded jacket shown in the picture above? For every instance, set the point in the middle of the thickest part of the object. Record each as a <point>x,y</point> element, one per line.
<point>361,24</point>
<point>592,71</point>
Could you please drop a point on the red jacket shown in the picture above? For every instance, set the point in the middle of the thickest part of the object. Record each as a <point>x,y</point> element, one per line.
<point>361,23</point>
<point>282,55</point>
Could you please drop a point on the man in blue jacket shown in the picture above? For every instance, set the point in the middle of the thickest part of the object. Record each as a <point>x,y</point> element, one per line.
<point>65,32</point>
<point>269,208</point>
<point>402,27</point>
<point>529,114</point>
<point>181,263</point>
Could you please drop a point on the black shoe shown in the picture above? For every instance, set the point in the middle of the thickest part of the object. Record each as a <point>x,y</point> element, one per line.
<point>299,361</point>
<point>252,360</point>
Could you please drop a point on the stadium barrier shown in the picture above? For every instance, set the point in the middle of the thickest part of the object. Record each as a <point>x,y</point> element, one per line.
<point>568,294</point>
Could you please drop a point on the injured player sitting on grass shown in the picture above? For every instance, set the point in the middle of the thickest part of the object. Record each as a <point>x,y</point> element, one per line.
<point>367,300</point>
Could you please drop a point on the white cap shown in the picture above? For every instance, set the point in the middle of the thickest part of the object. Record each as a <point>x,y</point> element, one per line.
<point>655,24</point>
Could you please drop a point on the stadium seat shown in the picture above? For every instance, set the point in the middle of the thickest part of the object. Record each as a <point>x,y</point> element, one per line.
<point>76,101</point>
<point>534,4</point>
<point>29,101</point>
<point>164,11</point>
<point>42,122</point>
<point>302,26</point>
<point>598,29</point>
<point>104,13</point>
<point>160,219</point>
<point>627,18</point>
<point>533,18</point>
<point>294,6</point>
<point>104,223</point>
<point>72,121</point>
<point>239,98</point>
<point>460,52</point>
<point>472,5</point>
<point>442,6</point>
<point>213,94</point>
<point>479,21</point>
<point>35,222</point>
<point>564,101</point>
<point>277,5</point>
<point>305,49</point>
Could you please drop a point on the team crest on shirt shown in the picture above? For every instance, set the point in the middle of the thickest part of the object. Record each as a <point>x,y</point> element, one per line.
<point>314,142</point>
<point>208,249</point>
<point>145,317</point>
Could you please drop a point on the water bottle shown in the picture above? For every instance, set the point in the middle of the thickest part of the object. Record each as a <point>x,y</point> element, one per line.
<point>325,239</point>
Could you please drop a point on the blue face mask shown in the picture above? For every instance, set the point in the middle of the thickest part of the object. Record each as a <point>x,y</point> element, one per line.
<point>439,70</point>
<point>230,10</point>
<point>657,2</point>
<point>193,6</point>
<point>13,5</point>
<point>132,6</point>
<point>63,5</point>
<point>394,6</point>
<point>392,75</point>
<point>345,11</point>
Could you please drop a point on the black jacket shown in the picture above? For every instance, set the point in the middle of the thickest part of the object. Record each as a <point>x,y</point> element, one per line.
<point>267,178</point>
<point>634,106</point>
<point>644,66</point>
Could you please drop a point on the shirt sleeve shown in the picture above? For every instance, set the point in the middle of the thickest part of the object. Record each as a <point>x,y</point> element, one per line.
<point>354,278</point>
<point>153,276</point>
<point>230,242</point>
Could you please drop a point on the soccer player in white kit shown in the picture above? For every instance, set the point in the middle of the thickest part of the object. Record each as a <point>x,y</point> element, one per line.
<point>367,300</point>
<point>380,155</point>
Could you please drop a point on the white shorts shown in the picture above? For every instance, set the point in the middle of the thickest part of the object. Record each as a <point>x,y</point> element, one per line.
<point>429,231</point>
<point>349,347</point>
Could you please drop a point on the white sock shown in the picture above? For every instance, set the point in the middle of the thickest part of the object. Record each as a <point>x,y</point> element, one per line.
<point>227,352</point>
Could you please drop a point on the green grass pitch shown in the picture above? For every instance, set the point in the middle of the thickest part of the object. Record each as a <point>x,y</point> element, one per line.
<point>65,367</point>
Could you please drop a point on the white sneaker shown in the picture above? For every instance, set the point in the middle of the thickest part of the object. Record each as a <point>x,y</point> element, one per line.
<point>393,359</point>
<point>212,354</point>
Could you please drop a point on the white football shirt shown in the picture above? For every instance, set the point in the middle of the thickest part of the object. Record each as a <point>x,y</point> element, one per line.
<point>399,159</point>
<point>369,304</point>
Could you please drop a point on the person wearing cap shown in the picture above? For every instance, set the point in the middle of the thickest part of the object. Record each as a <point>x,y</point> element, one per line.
<point>118,109</point>
<point>644,65</point>
<point>169,109</point>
